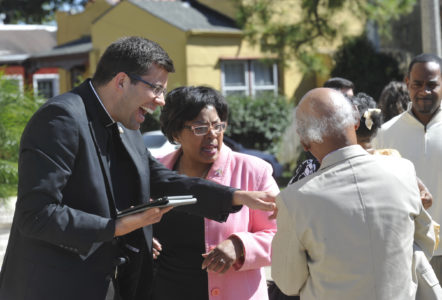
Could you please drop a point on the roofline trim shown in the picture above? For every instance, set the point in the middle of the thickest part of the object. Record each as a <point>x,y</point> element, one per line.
<point>85,48</point>
<point>234,58</point>
<point>14,58</point>
<point>12,27</point>
<point>224,33</point>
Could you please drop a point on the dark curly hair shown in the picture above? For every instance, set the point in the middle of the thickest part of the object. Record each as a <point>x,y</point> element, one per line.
<point>364,102</point>
<point>183,104</point>
<point>394,99</point>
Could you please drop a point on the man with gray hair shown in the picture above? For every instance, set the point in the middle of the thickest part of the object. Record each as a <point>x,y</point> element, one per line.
<point>347,231</point>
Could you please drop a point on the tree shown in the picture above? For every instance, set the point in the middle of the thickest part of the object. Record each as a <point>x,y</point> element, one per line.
<point>295,29</point>
<point>369,70</point>
<point>33,11</point>
<point>16,108</point>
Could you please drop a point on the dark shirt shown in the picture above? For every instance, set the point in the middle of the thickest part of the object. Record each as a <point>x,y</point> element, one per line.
<point>178,273</point>
<point>124,187</point>
<point>305,168</point>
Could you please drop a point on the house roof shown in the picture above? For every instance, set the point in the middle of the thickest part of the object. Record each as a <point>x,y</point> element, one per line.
<point>188,16</point>
<point>66,56</point>
<point>79,46</point>
<point>17,42</point>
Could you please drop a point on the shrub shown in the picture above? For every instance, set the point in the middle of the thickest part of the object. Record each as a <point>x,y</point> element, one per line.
<point>16,108</point>
<point>258,123</point>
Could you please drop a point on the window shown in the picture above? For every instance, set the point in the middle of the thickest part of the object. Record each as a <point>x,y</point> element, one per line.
<point>46,85</point>
<point>249,78</point>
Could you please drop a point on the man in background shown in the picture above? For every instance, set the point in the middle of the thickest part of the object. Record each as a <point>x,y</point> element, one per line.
<point>343,85</point>
<point>417,132</point>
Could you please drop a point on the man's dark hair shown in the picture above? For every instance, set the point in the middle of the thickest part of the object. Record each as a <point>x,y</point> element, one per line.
<point>134,55</point>
<point>183,104</point>
<point>338,83</point>
<point>425,58</point>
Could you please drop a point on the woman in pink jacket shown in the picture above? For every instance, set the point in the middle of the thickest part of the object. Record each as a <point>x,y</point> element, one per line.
<point>203,259</point>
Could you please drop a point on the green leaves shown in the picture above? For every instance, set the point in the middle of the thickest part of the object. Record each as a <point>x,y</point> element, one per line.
<point>382,12</point>
<point>34,11</point>
<point>295,29</point>
<point>16,108</point>
<point>258,123</point>
<point>8,178</point>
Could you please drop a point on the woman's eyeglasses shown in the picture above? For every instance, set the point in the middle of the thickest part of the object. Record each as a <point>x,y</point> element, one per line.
<point>204,129</point>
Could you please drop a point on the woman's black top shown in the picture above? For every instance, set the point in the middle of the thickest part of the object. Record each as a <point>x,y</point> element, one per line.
<point>178,273</point>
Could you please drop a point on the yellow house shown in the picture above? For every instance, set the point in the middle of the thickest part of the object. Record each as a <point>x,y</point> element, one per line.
<point>200,36</point>
<point>206,46</point>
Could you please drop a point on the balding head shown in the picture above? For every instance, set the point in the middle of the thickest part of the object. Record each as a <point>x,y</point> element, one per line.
<point>325,118</point>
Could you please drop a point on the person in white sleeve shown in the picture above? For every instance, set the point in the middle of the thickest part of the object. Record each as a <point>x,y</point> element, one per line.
<point>416,133</point>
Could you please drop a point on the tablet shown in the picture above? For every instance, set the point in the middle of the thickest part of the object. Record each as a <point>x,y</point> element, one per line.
<point>159,202</point>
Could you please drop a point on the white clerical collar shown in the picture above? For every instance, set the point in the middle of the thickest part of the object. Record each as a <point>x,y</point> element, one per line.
<point>101,102</point>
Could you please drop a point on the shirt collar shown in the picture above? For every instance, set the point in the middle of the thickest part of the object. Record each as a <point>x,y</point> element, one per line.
<point>342,154</point>
<point>109,122</point>
<point>437,117</point>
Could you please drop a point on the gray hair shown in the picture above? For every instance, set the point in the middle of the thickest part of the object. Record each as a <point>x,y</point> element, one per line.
<point>314,127</point>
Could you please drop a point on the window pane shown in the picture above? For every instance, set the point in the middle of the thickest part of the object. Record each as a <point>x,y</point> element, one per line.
<point>263,73</point>
<point>234,74</point>
<point>45,88</point>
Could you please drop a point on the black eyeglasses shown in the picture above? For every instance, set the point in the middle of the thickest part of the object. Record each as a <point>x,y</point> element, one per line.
<point>204,129</point>
<point>157,89</point>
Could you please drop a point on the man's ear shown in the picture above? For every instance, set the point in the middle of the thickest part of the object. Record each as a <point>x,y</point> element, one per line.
<point>407,81</point>
<point>357,124</point>
<point>120,80</point>
<point>305,146</point>
<point>176,138</point>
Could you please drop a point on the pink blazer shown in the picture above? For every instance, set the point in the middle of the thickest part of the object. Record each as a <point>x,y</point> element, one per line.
<point>253,227</point>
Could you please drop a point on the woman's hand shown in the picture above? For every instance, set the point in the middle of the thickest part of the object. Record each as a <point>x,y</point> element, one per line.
<point>156,249</point>
<point>223,256</point>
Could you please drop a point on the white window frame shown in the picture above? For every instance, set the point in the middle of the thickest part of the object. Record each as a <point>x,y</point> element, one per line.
<point>249,74</point>
<point>273,87</point>
<point>16,77</point>
<point>244,88</point>
<point>52,76</point>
